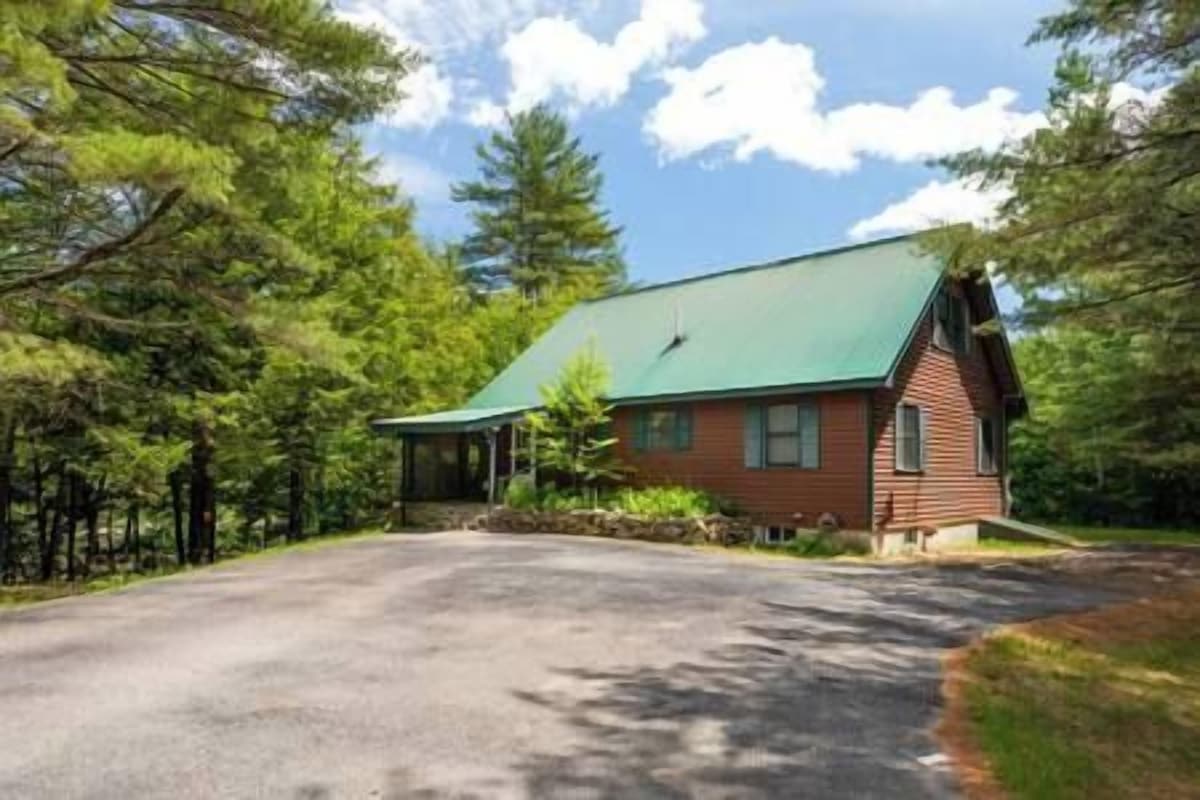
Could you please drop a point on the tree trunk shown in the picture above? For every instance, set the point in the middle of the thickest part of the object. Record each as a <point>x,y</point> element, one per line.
<point>7,449</point>
<point>55,538</point>
<point>202,505</point>
<point>135,525</point>
<point>177,515</point>
<point>108,533</point>
<point>72,505</point>
<point>92,502</point>
<point>210,516</point>
<point>295,529</point>
<point>39,500</point>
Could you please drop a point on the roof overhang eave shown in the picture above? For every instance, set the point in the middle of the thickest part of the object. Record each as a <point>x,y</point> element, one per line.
<point>431,424</point>
<point>850,384</point>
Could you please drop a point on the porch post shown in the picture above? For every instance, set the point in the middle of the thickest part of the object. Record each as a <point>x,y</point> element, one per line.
<point>512,450</point>
<point>533,456</point>
<point>406,477</point>
<point>491,466</point>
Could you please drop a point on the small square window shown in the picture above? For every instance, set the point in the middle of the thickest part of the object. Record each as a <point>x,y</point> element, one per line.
<point>775,534</point>
<point>662,429</point>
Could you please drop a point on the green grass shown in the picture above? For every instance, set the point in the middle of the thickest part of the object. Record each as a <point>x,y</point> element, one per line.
<point>1005,546</point>
<point>1104,705</point>
<point>1091,534</point>
<point>26,593</point>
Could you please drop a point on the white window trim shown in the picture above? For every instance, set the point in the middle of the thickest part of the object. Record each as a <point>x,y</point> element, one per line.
<point>799,436</point>
<point>922,440</point>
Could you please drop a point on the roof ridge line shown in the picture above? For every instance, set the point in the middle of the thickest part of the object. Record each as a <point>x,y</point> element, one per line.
<point>780,262</point>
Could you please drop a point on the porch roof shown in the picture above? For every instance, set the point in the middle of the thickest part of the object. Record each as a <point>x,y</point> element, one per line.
<point>460,420</point>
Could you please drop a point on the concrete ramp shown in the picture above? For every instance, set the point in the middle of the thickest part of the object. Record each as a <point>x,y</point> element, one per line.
<point>1016,531</point>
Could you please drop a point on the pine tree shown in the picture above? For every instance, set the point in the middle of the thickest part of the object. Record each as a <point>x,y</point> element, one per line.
<point>538,220</point>
<point>1100,238</point>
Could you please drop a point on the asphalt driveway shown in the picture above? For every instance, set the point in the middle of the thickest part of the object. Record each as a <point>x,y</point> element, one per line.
<point>477,665</point>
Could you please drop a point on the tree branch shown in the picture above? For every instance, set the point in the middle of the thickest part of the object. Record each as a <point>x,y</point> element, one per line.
<point>96,254</point>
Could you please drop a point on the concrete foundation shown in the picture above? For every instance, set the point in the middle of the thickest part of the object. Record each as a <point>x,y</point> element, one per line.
<point>925,540</point>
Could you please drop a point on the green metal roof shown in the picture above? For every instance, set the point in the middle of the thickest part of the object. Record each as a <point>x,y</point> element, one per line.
<point>462,419</point>
<point>839,318</point>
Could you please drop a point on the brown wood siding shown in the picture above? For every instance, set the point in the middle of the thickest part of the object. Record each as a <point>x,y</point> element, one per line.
<point>953,389</point>
<point>773,495</point>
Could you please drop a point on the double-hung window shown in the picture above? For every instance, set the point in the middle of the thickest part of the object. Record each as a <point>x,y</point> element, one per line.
<point>987,445</point>
<point>911,424</point>
<point>783,435</point>
<point>663,428</point>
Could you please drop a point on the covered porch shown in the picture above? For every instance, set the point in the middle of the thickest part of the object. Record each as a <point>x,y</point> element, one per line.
<point>460,456</point>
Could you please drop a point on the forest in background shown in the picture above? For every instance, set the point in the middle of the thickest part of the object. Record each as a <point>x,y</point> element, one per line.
<point>206,292</point>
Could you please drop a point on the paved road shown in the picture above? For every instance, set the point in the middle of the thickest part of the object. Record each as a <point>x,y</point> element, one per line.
<point>475,665</point>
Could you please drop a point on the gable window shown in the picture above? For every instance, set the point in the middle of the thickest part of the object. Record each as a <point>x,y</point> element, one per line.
<point>783,435</point>
<point>662,429</point>
<point>951,323</point>
<point>987,445</point>
<point>911,423</point>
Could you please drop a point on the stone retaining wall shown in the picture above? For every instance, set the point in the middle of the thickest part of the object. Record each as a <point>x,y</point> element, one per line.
<point>617,525</point>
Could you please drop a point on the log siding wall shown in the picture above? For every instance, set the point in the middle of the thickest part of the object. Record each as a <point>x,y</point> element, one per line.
<point>772,495</point>
<point>954,390</point>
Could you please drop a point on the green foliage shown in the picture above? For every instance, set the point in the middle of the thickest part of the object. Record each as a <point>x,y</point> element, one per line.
<point>1110,439</point>
<point>655,502</point>
<point>819,545</point>
<point>664,502</point>
<point>1099,239</point>
<point>538,223</point>
<point>521,493</point>
<point>571,428</point>
<point>205,293</point>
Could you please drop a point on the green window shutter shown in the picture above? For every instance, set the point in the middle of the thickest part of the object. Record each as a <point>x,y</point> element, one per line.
<point>641,429</point>
<point>683,428</point>
<point>810,435</point>
<point>753,439</point>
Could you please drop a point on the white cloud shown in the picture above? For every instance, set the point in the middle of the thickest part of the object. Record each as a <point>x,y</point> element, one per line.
<point>440,26</point>
<point>428,95</point>
<point>486,114</point>
<point>417,179</point>
<point>935,203</point>
<point>763,98</point>
<point>554,57</point>
<point>941,202</point>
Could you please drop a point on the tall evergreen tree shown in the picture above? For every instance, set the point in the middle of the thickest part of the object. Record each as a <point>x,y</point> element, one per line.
<point>1100,237</point>
<point>538,220</point>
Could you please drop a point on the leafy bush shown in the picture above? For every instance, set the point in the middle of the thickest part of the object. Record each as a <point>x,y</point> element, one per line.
<point>659,502</point>
<point>663,502</point>
<point>521,493</point>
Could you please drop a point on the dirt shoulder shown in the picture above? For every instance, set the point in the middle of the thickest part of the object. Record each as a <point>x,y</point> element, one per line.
<point>1104,703</point>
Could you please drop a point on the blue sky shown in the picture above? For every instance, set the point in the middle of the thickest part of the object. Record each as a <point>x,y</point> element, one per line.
<point>730,131</point>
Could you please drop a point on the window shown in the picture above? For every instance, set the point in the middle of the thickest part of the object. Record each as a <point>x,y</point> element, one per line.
<point>663,428</point>
<point>910,437</point>
<point>986,445</point>
<point>783,435</point>
<point>774,534</point>
<point>951,323</point>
